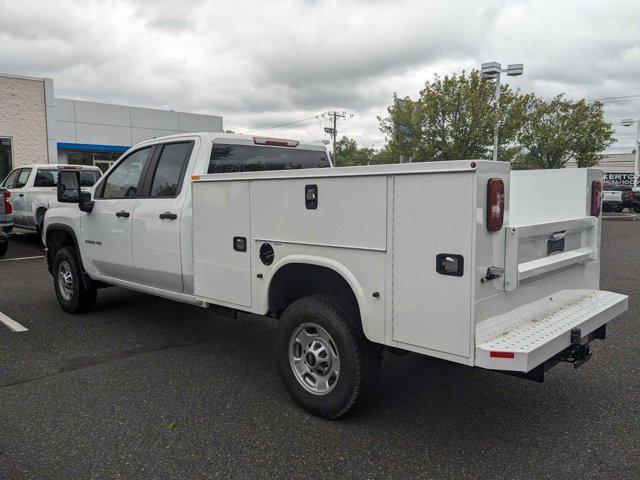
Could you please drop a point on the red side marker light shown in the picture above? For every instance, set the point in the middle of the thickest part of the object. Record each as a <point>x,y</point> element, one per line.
<point>502,354</point>
<point>473,164</point>
<point>495,204</point>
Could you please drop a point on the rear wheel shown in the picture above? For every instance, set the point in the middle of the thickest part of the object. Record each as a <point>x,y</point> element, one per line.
<point>324,360</point>
<point>4,245</point>
<point>73,295</point>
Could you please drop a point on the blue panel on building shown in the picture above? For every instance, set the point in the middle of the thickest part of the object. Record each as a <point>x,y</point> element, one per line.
<point>93,148</point>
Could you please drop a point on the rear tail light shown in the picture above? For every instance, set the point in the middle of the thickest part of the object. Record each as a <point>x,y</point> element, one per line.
<point>596,198</point>
<point>495,204</point>
<point>8,208</point>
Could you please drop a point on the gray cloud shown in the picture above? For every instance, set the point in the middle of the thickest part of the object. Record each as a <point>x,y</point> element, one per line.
<point>265,63</point>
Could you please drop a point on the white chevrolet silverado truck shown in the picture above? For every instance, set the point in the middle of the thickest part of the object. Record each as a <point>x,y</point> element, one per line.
<point>352,261</point>
<point>33,190</point>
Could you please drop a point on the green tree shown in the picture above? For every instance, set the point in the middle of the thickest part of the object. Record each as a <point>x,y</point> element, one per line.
<point>559,129</point>
<point>454,118</point>
<point>349,154</point>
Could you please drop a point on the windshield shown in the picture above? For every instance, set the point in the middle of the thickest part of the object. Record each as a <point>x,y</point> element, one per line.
<point>248,158</point>
<point>48,177</point>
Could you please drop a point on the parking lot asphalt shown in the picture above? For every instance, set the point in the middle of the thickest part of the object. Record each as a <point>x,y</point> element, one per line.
<point>143,387</point>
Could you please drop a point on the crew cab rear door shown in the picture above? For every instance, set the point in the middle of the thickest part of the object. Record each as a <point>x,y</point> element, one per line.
<point>158,217</point>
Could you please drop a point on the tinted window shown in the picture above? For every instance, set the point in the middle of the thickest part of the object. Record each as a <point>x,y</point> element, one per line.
<point>170,169</point>
<point>5,156</point>
<point>247,158</point>
<point>123,181</point>
<point>48,177</point>
<point>23,177</point>
<point>10,181</point>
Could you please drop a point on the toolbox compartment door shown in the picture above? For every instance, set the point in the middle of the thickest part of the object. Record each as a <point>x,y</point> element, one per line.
<point>433,219</point>
<point>220,216</point>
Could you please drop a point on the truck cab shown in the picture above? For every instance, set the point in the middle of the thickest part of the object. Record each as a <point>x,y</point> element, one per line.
<point>139,229</point>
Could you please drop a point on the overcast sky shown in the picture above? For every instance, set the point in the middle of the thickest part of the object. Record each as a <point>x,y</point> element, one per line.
<point>265,63</point>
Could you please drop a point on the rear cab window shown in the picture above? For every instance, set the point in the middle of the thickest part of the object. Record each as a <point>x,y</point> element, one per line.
<point>227,158</point>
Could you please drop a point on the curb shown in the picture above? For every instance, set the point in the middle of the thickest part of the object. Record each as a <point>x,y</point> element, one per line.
<point>621,218</point>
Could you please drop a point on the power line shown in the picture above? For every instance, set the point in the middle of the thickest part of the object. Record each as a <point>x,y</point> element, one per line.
<point>286,124</point>
<point>617,99</point>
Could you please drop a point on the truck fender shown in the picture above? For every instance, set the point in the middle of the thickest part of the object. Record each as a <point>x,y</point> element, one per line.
<point>331,264</point>
<point>86,279</point>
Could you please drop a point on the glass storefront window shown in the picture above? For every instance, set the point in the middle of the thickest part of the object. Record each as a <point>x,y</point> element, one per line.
<point>80,158</point>
<point>102,160</point>
<point>6,158</point>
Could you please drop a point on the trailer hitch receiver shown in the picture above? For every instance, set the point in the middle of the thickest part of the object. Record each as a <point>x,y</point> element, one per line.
<point>577,353</point>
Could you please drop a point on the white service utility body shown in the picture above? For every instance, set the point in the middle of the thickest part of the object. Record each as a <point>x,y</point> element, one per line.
<point>383,228</point>
<point>466,261</point>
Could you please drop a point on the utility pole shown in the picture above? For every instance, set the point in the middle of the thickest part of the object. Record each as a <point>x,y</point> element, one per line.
<point>333,116</point>
<point>627,122</point>
<point>494,70</point>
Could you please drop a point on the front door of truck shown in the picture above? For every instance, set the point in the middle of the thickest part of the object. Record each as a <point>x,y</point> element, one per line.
<point>19,196</point>
<point>158,218</point>
<point>106,231</point>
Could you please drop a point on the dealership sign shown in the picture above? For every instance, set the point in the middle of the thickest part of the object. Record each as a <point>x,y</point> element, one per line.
<point>620,179</point>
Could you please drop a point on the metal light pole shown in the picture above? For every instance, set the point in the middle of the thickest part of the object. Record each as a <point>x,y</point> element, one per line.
<point>494,70</point>
<point>627,122</point>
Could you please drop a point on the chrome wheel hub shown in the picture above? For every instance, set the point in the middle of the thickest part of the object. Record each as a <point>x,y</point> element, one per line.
<point>314,359</point>
<point>65,280</point>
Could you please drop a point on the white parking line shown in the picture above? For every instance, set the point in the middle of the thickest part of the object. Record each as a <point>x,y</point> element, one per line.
<point>21,258</point>
<point>12,324</point>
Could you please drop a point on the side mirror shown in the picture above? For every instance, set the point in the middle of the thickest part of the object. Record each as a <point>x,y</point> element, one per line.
<point>69,186</point>
<point>69,190</point>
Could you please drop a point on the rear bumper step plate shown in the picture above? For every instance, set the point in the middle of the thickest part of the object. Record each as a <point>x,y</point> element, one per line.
<point>523,338</point>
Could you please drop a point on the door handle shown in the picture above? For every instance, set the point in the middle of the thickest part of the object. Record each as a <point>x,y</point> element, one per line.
<point>122,214</point>
<point>21,194</point>
<point>168,216</point>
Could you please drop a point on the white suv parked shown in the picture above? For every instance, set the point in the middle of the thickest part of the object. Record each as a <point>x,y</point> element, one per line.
<point>33,190</point>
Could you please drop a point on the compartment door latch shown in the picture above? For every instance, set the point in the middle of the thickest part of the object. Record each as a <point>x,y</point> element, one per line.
<point>450,264</point>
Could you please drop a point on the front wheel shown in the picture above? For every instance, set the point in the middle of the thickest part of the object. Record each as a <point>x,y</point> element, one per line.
<point>324,360</point>
<point>636,208</point>
<point>73,295</point>
<point>4,246</point>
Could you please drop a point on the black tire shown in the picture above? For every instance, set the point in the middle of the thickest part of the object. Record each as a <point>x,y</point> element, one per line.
<point>76,298</point>
<point>619,209</point>
<point>359,358</point>
<point>4,245</point>
<point>636,208</point>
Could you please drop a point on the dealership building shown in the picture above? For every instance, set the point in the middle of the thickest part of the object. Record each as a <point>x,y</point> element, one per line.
<point>37,127</point>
